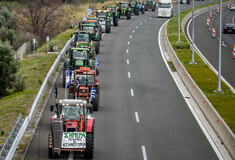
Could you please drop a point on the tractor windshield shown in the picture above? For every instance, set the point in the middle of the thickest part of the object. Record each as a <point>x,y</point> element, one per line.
<point>83,37</point>
<point>124,5</point>
<point>90,29</point>
<point>85,79</point>
<point>71,112</point>
<point>164,5</point>
<point>80,55</point>
<point>101,14</point>
<point>111,9</point>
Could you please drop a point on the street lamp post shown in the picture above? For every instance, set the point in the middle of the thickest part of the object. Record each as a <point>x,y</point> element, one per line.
<point>193,61</point>
<point>178,22</point>
<point>220,39</point>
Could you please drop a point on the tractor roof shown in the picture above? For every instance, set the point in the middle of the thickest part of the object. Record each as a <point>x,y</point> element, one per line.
<point>91,20</point>
<point>89,25</point>
<point>82,32</point>
<point>102,11</point>
<point>73,102</point>
<point>80,49</point>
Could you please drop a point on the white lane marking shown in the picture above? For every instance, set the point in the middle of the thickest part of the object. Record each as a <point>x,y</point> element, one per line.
<point>132,93</point>
<point>127,51</point>
<point>188,103</point>
<point>103,34</point>
<point>136,27</point>
<point>145,20</point>
<point>137,117</point>
<point>144,153</point>
<point>130,36</point>
<point>71,156</point>
<point>150,17</point>
<point>129,75</point>
<point>111,27</point>
<point>133,31</point>
<point>141,23</point>
<point>122,21</point>
<point>127,61</point>
<point>128,43</point>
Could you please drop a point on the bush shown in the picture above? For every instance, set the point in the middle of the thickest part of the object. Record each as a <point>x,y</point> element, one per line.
<point>8,67</point>
<point>19,83</point>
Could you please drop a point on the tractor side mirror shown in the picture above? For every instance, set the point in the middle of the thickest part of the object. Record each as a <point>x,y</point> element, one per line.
<point>51,108</point>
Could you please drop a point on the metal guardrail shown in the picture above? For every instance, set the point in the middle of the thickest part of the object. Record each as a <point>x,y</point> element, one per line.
<point>20,126</point>
<point>11,138</point>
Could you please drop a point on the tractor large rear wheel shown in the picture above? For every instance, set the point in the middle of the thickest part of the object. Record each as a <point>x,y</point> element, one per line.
<point>108,27</point>
<point>64,72</point>
<point>88,154</point>
<point>128,15</point>
<point>50,154</point>
<point>96,101</point>
<point>115,21</point>
<point>97,47</point>
<point>143,11</point>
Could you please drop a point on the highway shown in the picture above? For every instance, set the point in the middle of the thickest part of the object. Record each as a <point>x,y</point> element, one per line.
<point>209,46</point>
<point>142,113</point>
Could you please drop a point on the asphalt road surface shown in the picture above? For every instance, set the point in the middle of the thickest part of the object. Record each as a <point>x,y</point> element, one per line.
<point>142,113</point>
<point>209,46</point>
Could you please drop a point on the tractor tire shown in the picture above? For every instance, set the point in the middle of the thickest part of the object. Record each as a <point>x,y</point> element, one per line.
<point>64,72</point>
<point>88,153</point>
<point>143,11</point>
<point>115,21</point>
<point>100,36</point>
<point>97,47</point>
<point>70,96</point>
<point>96,102</point>
<point>153,9</point>
<point>108,27</point>
<point>128,15</point>
<point>50,154</point>
<point>146,9</point>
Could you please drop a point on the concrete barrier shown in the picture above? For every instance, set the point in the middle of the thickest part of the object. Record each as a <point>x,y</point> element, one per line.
<point>216,121</point>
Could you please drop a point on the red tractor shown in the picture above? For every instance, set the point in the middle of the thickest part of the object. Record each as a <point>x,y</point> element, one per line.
<point>83,80</point>
<point>72,128</point>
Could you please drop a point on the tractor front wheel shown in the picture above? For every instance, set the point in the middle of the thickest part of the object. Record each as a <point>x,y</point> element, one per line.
<point>143,11</point>
<point>97,47</point>
<point>88,154</point>
<point>64,72</point>
<point>108,27</point>
<point>115,21</point>
<point>128,15</point>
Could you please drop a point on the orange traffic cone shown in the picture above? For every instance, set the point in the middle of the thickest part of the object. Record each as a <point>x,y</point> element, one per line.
<point>223,44</point>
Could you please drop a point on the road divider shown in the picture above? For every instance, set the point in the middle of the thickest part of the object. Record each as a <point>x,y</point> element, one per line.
<point>216,121</point>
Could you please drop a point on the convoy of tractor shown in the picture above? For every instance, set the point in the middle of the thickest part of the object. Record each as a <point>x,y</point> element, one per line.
<point>72,126</point>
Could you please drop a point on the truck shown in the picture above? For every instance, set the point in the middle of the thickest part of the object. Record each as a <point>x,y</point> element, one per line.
<point>72,128</point>
<point>165,8</point>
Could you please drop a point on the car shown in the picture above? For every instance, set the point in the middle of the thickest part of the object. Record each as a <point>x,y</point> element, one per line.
<point>229,28</point>
<point>232,7</point>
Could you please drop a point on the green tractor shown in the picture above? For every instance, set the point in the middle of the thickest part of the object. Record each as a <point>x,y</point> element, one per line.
<point>124,9</point>
<point>134,7</point>
<point>94,31</point>
<point>150,4</point>
<point>113,14</point>
<point>104,20</point>
<point>95,21</point>
<point>78,57</point>
<point>82,39</point>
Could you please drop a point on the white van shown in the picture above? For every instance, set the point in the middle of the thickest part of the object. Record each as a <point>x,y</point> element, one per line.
<point>165,8</point>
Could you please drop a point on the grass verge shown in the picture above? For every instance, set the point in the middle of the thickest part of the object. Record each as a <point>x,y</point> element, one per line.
<point>205,78</point>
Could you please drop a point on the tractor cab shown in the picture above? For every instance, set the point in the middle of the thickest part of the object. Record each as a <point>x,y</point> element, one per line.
<point>82,82</point>
<point>72,128</point>
<point>80,57</point>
